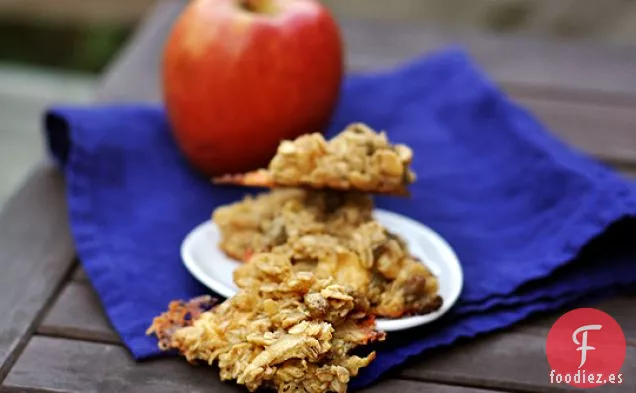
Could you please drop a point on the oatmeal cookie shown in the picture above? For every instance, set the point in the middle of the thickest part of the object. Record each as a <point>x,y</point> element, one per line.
<point>286,330</point>
<point>260,223</point>
<point>332,235</point>
<point>357,159</point>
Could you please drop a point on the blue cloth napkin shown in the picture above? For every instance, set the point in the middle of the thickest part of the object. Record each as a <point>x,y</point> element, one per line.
<point>529,217</point>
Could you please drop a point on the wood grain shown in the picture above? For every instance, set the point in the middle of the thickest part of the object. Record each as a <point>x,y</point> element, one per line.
<point>602,130</point>
<point>78,314</point>
<point>35,254</point>
<point>513,59</point>
<point>79,274</point>
<point>52,364</point>
<point>620,308</point>
<point>512,361</point>
<point>406,386</point>
<point>77,366</point>
<point>598,20</point>
<point>591,107</point>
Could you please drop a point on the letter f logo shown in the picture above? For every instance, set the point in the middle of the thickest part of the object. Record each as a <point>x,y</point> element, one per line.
<point>583,344</point>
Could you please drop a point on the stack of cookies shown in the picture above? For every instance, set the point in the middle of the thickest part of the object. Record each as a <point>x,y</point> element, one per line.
<point>317,269</point>
<point>319,213</point>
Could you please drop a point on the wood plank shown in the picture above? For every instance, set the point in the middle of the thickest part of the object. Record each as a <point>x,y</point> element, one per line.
<point>512,59</point>
<point>620,308</point>
<point>52,364</point>
<point>625,26</point>
<point>46,85</point>
<point>35,246</point>
<point>575,18</point>
<point>19,152</point>
<point>76,317</point>
<point>598,20</point>
<point>79,274</point>
<point>544,77</point>
<point>466,14</point>
<point>36,251</point>
<point>78,314</point>
<point>76,366</point>
<point>407,386</point>
<point>602,130</point>
<point>511,361</point>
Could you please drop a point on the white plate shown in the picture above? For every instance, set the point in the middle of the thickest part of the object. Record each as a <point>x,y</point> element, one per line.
<point>208,264</point>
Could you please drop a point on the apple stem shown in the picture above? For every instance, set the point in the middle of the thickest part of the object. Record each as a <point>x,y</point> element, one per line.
<point>259,6</point>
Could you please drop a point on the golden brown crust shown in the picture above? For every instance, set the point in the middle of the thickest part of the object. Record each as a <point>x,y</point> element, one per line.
<point>180,314</point>
<point>257,178</point>
<point>262,179</point>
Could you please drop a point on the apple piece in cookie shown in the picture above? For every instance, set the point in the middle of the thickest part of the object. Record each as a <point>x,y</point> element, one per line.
<point>375,263</point>
<point>358,159</point>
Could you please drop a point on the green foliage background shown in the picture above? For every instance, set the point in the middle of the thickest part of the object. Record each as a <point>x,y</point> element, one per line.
<point>89,48</point>
<point>68,47</point>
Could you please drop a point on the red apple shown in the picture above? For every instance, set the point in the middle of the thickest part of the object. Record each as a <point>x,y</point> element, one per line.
<point>241,75</point>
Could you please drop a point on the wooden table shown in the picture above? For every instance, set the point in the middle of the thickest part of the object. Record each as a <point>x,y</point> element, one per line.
<point>54,336</point>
